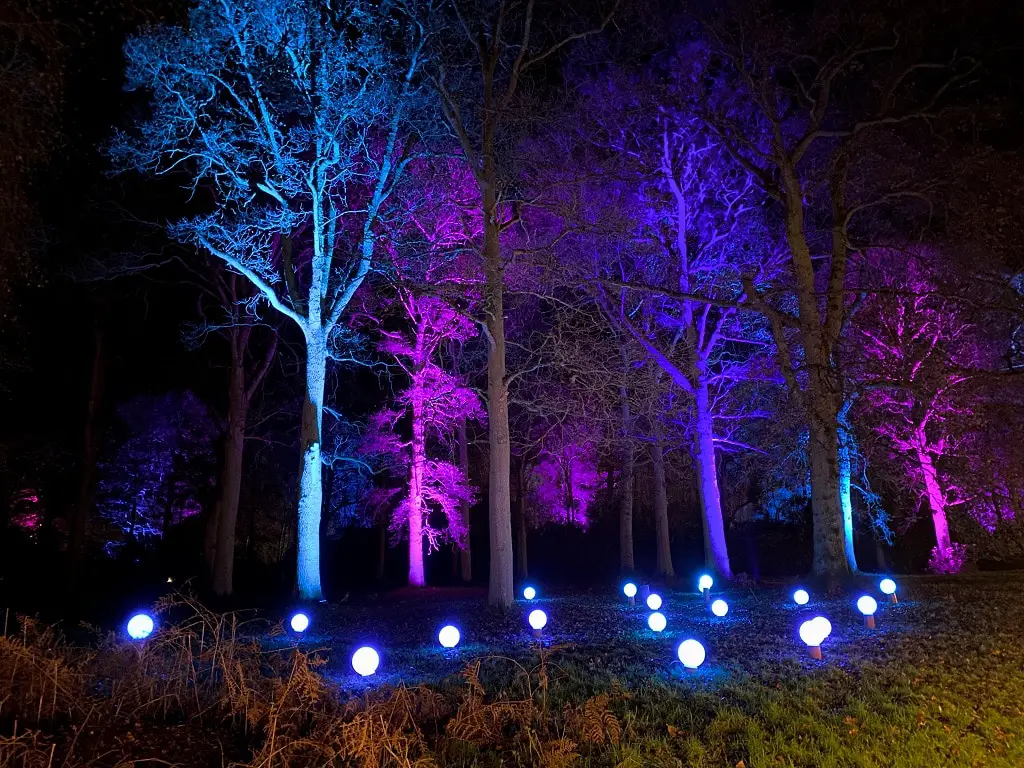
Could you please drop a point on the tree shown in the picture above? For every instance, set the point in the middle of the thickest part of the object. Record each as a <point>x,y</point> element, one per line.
<point>481,73</point>
<point>437,403</point>
<point>813,111</point>
<point>290,122</point>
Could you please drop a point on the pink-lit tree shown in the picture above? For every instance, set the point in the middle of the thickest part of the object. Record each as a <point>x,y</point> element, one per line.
<point>435,403</point>
<point>921,362</point>
<point>565,478</point>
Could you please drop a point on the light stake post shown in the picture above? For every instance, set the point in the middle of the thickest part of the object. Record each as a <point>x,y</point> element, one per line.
<point>629,590</point>
<point>867,605</point>
<point>538,620</point>
<point>813,633</point>
<point>888,587</point>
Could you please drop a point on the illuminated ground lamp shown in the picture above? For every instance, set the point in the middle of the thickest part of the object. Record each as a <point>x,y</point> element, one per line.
<point>654,601</point>
<point>448,637</point>
<point>704,584</point>
<point>538,620</point>
<point>629,590</point>
<point>656,621</point>
<point>365,661</point>
<point>691,653</point>
<point>888,587</point>
<point>868,605</point>
<point>529,593</point>
<point>299,623</point>
<point>140,626</point>
<point>814,632</point>
<point>800,597</point>
<point>719,608</point>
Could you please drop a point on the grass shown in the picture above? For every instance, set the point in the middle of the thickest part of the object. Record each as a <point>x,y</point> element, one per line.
<point>939,683</point>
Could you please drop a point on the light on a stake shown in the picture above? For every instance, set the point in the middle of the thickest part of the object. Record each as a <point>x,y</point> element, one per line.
<point>529,593</point>
<point>365,661</point>
<point>691,653</point>
<point>704,583</point>
<point>538,620</point>
<point>140,626</point>
<point>868,605</point>
<point>629,590</point>
<point>299,623</point>
<point>800,597</point>
<point>448,637</point>
<point>814,632</point>
<point>654,601</point>
<point>656,621</point>
<point>719,608</point>
<point>888,587</point>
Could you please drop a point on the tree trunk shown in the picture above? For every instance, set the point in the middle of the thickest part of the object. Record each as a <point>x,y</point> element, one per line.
<point>845,456</point>
<point>627,563</point>
<point>466,555</point>
<point>664,546</point>
<point>936,501</point>
<point>226,510</point>
<point>500,592</point>
<point>311,474</point>
<point>417,510</point>
<point>522,562</point>
<point>90,451</point>
<point>716,553</point>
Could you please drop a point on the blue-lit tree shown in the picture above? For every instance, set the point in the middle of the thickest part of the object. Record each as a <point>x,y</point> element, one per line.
<point>289,123</point>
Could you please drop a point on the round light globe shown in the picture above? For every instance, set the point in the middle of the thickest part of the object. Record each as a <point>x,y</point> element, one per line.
<point>529,593</point>
<point>867,605</point>
<point>629,589</point>
<point>140,626</point>
<point>656,621</point>
<point>704,583</point>
<point>538,619</point>
<point>719,608</point>
<point>448,637</point>
<point>824,626</point>
<point>691,653</point>
<point>299,622</point>
<point>888,586</point>
<point>654,601</point>
<point>365,661</point>
<point>815,631</point>
<point>800,597</point>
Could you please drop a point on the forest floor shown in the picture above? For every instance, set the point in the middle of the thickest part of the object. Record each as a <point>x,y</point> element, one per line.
<point>940,682</point>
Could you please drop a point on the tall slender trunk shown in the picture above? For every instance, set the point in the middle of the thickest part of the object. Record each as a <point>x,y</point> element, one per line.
<point>311,475</point>
<point>226,510</point>
<point>936,500</point>
<point>466,554</point>
<point>822,395</point>
<point>716,553</point>
<point>500,591</point>
<point>90,451</point>
<point>845,457</point>
<point>664,546</point>
<point>417,511</point>
<point>627,563</point>
<point>522,562</point>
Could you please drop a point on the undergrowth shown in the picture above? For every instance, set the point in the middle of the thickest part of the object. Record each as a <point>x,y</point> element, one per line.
<point>206,678</point>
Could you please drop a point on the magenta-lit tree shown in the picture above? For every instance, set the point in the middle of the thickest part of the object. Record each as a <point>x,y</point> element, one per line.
<point>565,478</point>
<point>434,403</point>
<point>922,363</point>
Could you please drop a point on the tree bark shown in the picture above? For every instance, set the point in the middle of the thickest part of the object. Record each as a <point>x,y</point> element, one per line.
<point>845,456</point>
<point>936,501</point>
<point>500,591</point>
<point>226,510</point>
<point>716,553</point>
<point>90,451</point>
<point>310,474</point>
<point>417,511</point>
<point>627,563</point>
<point>466,554</point>
<point>664,545</point>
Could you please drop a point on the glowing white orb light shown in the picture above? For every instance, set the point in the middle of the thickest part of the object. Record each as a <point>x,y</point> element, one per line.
<point>704,583</point>
<point>538,619</point>
<point>814,632</point>
<point>888,587</point>
<point>140,626</point>
<point>654,601</point>
<point>656,621</point>
<point>365,661</point>
<point>629,589</point>
<point>529,593</point>
<point>719,608</point>
<point>867,605</point>
<point>448,637</point>
<point>800,597</point>
<point>300,622</point>
<point>691,653</point>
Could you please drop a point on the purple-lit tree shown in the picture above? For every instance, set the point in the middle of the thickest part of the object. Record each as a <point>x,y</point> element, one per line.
<point>565,478</point>
<point>289,119</point>
<point>435,402</point>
